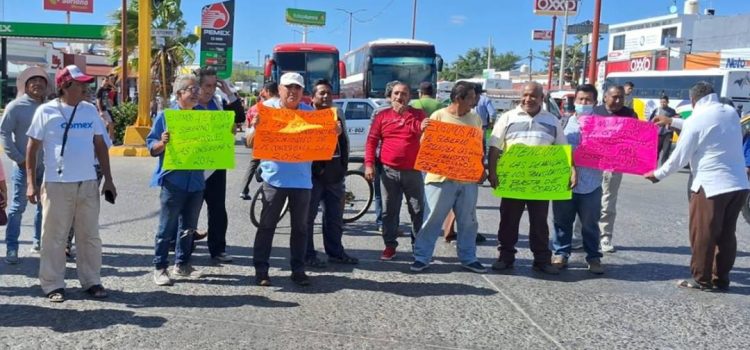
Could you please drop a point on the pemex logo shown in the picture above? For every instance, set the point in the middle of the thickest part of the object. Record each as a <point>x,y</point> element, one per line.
<point>215,16</point>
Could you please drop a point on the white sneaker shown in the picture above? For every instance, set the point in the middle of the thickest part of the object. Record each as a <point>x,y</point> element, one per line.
<point>161,277</point>
<point>607,246</point>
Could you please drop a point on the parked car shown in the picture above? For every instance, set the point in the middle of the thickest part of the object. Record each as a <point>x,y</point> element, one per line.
<point>357,113</point>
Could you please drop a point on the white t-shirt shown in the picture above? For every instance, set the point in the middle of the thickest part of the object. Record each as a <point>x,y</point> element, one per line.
<point>48,126</point>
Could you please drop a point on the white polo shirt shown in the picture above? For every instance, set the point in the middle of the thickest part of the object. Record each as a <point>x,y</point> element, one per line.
<point>711,141</point>
<point>516,126</point>
<point>48,126</point>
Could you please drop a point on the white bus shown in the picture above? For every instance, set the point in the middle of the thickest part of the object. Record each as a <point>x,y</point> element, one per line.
<point>733,84</point>
<point>379,62</point>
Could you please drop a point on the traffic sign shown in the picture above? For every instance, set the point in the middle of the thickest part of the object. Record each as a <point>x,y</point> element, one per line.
<point>674,42</point>
<point>305,17</point>
<point>163,32</point>
<point>587,27</point>
<point>539,34</point>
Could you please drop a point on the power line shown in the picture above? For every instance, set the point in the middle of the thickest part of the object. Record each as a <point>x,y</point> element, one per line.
<point>377,14</point>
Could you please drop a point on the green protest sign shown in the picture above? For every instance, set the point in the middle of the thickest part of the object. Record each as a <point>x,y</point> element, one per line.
<point>199,140</point>
<point>534,172</point>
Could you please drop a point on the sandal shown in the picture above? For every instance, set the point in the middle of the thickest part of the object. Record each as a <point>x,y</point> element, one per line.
<point>343,259</point>
<point>687,284</point>
<point>56,296</point>
<point>97,291</point>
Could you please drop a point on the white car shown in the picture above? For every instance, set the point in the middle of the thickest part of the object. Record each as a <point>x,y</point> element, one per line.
<point>357,113</point>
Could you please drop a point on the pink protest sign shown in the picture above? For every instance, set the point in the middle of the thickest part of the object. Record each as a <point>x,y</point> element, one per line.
<point>616,144</point>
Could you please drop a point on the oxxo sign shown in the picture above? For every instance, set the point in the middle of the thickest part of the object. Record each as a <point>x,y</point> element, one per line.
<point>555,7</point>
<point>641,64</point>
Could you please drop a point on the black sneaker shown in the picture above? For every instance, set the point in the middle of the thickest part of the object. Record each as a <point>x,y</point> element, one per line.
<point>418,266</point>
<point>475,267</point>
<point>300,278</point>
<point>316,263</point>
<point>480,239</point>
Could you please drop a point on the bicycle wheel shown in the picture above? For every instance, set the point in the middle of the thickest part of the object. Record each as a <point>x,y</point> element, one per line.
<point>257,207</point>
<point>357,195</point>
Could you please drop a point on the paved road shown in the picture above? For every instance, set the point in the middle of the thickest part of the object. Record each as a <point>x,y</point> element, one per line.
<point>634,305</point>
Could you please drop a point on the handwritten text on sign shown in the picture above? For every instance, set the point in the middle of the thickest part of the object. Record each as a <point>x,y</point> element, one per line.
<point>623,145</point>
<point>199,140</point>
<point>534,172</point>
<point>294,135</point>
<point>453,151</point>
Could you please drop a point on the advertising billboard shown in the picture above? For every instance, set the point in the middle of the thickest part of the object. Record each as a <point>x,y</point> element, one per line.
<point>217,35</point>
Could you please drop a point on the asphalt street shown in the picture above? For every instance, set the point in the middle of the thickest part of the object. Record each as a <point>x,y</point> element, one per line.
<point>634,305</point>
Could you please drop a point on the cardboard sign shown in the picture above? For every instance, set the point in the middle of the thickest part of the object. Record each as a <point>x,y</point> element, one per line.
<point>617,144</point>
<point>534,172</point>
<point>289,135</point>
<point>199,140</point>
<point>453,151</point>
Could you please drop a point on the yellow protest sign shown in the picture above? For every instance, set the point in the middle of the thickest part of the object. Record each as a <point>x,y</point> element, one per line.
<point>451,150</point>
<point>294,135</point>
<point>534,172</point>
<point>199,140</point>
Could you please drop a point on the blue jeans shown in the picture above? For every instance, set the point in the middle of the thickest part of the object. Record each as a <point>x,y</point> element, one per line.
<point>177,205</point>
<point>332,197</point>
<point>440,198</point>
<point>588,207</point>
<point>18,206</point>
<point>378,196</point>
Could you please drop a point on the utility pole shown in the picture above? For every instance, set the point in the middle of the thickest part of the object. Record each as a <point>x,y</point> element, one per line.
<point>551,54</point>
<point>595,42</point>
<point>489,54</point>
<point>351,16</point>
<point>531,57</point>
<point>414,21</point>
<point>124,51</point>
<point>258,57</point>
<point>564,46</point>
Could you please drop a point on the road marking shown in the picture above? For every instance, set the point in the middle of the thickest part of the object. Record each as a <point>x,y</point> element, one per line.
<point>525,314</point>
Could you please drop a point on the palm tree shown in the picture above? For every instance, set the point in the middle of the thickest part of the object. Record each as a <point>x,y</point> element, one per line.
<point>176,52</point>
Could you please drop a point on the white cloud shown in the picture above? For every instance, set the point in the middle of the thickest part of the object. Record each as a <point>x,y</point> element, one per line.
<point>458,19</point>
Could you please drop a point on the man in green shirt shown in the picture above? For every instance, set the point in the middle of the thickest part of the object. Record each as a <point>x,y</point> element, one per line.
<point>427,101</point>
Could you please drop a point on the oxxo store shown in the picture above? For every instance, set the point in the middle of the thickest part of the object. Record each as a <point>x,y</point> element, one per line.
<point>641,45</point>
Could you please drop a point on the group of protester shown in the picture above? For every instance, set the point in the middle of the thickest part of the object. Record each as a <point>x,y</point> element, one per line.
<point>710,141</point>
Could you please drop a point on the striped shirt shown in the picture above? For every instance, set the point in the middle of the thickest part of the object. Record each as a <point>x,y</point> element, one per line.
<point>518,127</point>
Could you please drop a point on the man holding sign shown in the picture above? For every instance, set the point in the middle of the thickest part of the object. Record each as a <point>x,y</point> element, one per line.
<point>711,142</point>
<point>283,180</point>
<point>181,194</point>
<point>448,187</point>
<point>527,125</point>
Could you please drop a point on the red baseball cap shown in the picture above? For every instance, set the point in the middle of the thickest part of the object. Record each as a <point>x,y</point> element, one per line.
<point>72,72</point>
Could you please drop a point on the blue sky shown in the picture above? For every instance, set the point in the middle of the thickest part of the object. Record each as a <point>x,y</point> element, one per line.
<point>454,26</point>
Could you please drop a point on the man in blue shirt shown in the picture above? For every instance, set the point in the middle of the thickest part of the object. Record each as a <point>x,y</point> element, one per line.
<point>486,111</point>
<point>282,181</point>
<point>181,194</point>
<point>587,196</point>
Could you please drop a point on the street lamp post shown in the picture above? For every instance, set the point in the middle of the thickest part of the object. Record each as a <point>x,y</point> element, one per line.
<point>414,21</point>
<point>124,49</point>
<point>351,16</point>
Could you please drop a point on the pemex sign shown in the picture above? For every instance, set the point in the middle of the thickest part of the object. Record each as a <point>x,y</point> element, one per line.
<point>70,5</point>
<point>555,7</point>
<point>217,36</point>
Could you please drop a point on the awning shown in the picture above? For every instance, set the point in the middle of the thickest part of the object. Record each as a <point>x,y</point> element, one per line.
<point>98,71</point>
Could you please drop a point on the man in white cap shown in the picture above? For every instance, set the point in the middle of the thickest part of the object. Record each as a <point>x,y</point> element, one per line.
<point>32,90</point>
<point>72,135</point>
<point>282,180</point>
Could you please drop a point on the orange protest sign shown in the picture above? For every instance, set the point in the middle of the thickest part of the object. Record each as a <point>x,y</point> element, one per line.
<point>453,151</point>
<point>289,135</point>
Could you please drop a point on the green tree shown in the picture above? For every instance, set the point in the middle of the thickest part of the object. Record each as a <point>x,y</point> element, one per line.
<point>574,55</point>
<point>472,63</point>
<point>176,52</point>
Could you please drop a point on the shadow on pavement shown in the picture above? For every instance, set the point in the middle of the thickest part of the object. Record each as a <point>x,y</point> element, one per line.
<point>162,299</point>
<point>68,321</point>
<point>322,284</point>
<point>682,250</point>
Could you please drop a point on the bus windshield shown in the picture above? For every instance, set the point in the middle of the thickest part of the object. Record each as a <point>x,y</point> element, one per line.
<point>411,65</point>
<point>311,65</point>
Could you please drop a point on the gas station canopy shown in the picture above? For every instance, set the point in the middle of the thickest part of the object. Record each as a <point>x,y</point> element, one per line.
<point>84,33</point>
